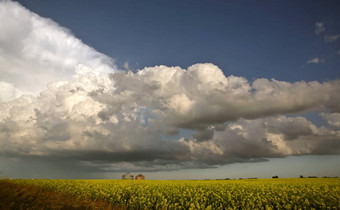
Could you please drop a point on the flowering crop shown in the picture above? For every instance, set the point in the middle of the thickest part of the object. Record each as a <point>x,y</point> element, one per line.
<point>320,193</point>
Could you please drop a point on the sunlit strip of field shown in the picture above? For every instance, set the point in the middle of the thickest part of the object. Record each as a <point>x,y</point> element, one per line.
<point>304,193</point>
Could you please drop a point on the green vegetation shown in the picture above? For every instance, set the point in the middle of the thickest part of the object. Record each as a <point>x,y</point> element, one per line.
<point>319,193</point>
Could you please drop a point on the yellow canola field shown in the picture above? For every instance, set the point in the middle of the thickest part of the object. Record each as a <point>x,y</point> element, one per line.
<point>311,193</point>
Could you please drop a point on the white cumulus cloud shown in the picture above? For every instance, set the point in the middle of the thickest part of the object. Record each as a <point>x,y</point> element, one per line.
<point>115,120</point>
<point>35,51</point>
<point>93,118</point>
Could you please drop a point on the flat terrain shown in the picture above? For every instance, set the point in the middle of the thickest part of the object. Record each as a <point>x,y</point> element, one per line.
<point>304,193</point>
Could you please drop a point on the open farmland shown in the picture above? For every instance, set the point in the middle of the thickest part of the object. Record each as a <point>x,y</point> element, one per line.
<point>318,193</point>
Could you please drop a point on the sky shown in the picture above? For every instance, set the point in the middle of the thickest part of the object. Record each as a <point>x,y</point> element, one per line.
<point>187,89</point>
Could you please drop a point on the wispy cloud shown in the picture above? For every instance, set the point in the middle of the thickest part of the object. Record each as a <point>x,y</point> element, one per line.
<point>315,60</point>
<point>126,66</point>
<point>332,38</point>
<point>319,27</point>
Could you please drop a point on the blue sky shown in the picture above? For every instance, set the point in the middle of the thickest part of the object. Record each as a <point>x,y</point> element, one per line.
<point>186,89</point>
<point>270,39</point>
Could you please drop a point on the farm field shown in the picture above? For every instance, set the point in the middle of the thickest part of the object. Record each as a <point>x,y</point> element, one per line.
<point>306,193</point>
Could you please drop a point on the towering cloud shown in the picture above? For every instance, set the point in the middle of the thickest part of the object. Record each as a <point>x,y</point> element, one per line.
<point>35,51</point>
<point>160,118</point>
<point>134,119</point>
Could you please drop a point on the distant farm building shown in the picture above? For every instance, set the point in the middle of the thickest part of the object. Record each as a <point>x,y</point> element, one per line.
<point>140,177</point>
<point>127,176</point>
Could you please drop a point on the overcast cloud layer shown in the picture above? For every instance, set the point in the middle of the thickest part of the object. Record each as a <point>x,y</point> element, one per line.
<point>35,51</point>
<point>159,118</point>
